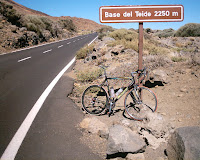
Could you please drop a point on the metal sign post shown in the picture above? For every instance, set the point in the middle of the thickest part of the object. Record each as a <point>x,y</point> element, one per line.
<point>140,48</point>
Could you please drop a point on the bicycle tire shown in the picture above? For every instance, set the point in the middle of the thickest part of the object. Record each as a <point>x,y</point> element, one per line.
<point>137,108</point>
<point>94,99</point>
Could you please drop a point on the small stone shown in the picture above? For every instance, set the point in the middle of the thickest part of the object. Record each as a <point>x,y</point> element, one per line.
<point>183,90</point>
<point>180,95</point>
<point>139,156</point>
<point>164,114</point>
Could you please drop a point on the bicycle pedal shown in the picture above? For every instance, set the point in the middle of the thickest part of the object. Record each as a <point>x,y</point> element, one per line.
<point>110,113</point>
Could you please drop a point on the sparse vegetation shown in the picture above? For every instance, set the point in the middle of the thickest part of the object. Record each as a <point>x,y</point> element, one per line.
<point>166,33</point>
<point>189,30</point>
<point>89,74</point>
<point>10,13</point>
<point>68,24</point>
<point>129,39</point>
<point>105,29</point>
<point>178,59</point>
<point>83,52</point>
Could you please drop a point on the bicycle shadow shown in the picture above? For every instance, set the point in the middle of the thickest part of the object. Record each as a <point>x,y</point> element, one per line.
<point>152,85</point>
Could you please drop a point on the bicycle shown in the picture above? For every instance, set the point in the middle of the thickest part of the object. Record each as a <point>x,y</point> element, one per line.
<point>137,102</point>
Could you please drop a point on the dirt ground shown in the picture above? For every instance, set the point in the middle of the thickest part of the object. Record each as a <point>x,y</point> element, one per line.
<point>178,99</point>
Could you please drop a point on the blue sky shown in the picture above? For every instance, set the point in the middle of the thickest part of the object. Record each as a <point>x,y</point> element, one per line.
<point>89,9</point>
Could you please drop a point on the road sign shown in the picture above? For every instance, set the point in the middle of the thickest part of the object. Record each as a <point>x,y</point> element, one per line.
<point>145,13</point>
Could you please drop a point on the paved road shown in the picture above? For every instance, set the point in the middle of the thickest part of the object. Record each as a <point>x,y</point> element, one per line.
<point>24,76</point>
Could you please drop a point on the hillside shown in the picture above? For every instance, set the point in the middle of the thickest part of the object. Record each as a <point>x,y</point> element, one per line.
<point>22,27</point>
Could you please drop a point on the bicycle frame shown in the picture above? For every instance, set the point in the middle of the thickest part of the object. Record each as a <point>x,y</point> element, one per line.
<point>106,83</point>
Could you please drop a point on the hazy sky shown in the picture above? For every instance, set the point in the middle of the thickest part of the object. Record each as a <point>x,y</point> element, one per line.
<point>89,9</point>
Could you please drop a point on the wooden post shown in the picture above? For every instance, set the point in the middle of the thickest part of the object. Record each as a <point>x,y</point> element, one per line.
<point>140,47</point>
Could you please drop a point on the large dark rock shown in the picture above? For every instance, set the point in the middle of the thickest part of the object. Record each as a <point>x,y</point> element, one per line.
<point>184,144</point>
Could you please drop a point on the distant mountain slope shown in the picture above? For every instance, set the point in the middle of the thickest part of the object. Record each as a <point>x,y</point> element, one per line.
<point>81,23</point>
<point>23,9</point>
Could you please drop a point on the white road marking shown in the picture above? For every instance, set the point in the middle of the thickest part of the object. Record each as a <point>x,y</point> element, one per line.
<point>74,41</point>
<point>15,143</point>
<point>68,42</point>
<point>47,51</point>
<point>23,59</point>
<point>60,46</point>
<point>92,40</point>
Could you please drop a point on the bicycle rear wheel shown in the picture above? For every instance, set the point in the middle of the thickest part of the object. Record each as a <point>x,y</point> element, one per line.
<point>94,99</point>
<point>139,102</point>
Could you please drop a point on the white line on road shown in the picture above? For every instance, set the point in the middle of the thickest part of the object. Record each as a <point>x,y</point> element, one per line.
<point>23,59</point>
<point>15,143</point>
<point>60,46</point>
<point>68,42</point>
<point>47,51</point>
<point>92,40</point>
<point>74,41</point>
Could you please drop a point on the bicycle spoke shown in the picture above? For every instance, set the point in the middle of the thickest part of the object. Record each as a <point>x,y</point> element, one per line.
<point>148,102</point>
<point>94,99</point>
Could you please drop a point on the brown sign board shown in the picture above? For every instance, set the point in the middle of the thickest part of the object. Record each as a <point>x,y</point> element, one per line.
<point>145,13</point>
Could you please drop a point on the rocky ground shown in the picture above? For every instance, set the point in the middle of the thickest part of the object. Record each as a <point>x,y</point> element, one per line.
<point>174,79</point>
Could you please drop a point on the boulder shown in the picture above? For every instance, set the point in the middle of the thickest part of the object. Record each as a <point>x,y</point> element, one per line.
<point>95,126</point>
<point>122,139</point>
<point>139,156</point>
<point>159,75</point>
<point>184,144</point>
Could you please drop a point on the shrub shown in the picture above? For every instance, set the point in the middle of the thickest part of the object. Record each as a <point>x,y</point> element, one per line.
<point>31,27</point>
<point>83,52</point>
<point>189,30</point>
<point>10,13</point>
<point>101,35</point>
<point>153,49</point>
<point>106,29</point>
<point>120,34</point>
<point>166,33</point>
<point>127,38</point>
<point>178,59</point>
<point>89,74</point>
<point>68,24</point>
<point>148,30</point>
<point>33,23</point>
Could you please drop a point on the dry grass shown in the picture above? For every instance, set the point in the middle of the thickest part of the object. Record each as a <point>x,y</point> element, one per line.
<point>88,74</point>
<point>83,52</point>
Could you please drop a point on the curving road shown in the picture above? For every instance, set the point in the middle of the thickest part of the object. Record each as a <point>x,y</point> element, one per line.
<point>24,75</point>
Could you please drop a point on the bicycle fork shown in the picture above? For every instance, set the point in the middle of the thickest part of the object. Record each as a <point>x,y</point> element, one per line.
<point>111,106</point>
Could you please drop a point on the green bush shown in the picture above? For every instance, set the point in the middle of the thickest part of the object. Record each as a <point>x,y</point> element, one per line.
<point>189,30</point>
<point>83,52</point>
<point>101,35</point>
<point>120,34</point>
<point>106,29</point>
<point>10,13</point>
<point>31,27</point>
<point>178,59</point>
<point>148,30</point>
<point>166,33</point>
<point>33,23</point>
<point>68,24</point>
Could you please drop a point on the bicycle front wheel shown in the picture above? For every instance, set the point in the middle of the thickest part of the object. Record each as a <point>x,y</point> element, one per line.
<point>94,99</point>
<point>139,102</point>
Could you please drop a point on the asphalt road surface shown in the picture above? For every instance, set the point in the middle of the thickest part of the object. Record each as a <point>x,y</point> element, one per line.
<point>24,75</point>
